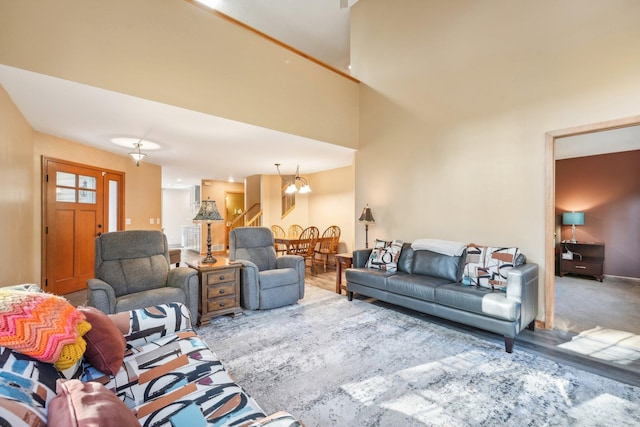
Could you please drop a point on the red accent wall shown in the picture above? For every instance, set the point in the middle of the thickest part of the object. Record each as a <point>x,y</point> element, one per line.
<point>606,188</point>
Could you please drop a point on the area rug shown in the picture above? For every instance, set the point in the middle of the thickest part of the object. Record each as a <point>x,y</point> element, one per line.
<point>332,362</point>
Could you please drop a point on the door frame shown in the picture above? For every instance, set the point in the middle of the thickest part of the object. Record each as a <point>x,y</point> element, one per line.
<point>550,202</point>
<point>44,209</point>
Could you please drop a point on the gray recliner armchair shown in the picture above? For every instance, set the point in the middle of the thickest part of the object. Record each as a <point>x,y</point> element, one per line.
<point>132,271</point>
<point>266,281</point>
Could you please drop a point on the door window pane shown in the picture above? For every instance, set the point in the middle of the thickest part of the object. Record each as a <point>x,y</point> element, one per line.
<point>113,205</point>
<point>65,179</point>
<point>87,182</point>
<point>87,196</point>
<point>65,195</point>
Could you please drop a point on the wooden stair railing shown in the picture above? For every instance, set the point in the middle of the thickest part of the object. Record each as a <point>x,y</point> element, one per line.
<point>242,221</point>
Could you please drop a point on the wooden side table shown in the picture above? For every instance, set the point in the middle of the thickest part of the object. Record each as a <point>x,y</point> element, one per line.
<point>219,289</point>
<point>345,260</point>
<point>586,259</point>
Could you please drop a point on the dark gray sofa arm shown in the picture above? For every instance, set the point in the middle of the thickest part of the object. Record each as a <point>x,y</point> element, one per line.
<point>101,296</point>
<point>360,257</point>
<point>522,285</point>
<point>249,285</point>
<point>186,279</point>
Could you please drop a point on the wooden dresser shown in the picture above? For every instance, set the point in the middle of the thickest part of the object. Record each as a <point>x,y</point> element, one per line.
<point>587,259</point>
<point>219,289</point>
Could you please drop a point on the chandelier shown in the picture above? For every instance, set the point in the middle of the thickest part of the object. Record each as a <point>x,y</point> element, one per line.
<point>296,184</point>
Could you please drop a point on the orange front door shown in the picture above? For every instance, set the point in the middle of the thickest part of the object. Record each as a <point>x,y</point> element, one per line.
<point>73,217</point>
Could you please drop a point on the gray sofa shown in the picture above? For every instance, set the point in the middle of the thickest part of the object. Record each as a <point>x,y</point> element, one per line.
<point>430,283</point>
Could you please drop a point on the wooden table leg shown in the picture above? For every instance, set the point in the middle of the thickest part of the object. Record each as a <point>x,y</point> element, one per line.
<point>345,260</point>
<point>339,276</point>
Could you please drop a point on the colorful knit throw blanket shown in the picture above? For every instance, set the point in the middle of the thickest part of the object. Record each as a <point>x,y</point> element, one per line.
<point>43,326</point>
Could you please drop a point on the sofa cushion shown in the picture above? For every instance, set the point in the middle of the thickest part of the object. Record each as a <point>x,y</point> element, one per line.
<point>164,378</point>
<point>385,254</point>
<point>478,300</point>
<point>437,265</point>
<point>105,342</point>
<point>149,299</point>
<point>368,277</point>
<point>405,261</point>
<point>415,286</point>
<point>26,388</point>
<point>278,277</point>
<point>89,404</point>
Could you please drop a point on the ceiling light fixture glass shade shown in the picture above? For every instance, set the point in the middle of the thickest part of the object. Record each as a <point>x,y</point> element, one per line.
<point>297,183</point>
<point>137,155</point>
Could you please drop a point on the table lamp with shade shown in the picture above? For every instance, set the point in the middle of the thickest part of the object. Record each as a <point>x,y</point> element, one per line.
<point>208,213</point>
<point>573,219</point>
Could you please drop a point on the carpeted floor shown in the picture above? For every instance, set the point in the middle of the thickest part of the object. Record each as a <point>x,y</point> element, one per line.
<point>332,362</point>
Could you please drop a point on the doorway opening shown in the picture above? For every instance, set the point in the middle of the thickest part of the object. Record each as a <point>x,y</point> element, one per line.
<point>611,341</point>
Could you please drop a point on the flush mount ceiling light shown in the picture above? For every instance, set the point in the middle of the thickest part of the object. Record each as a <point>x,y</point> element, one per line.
<point>297,183</point>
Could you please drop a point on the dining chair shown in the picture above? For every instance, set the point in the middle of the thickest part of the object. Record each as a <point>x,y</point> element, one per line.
<point>306,244</point>
<point>294,230</point>
<point>328,245</point>
<point>279,233</point>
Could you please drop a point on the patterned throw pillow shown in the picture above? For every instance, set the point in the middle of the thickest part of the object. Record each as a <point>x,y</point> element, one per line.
<point>488,266</point>
<point>384,255</point>
<point>43,326</point>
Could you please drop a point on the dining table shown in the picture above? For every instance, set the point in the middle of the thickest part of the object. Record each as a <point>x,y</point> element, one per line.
<point>291,242</point>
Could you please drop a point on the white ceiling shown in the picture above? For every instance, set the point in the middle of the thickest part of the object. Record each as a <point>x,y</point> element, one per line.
<point>196,146</point>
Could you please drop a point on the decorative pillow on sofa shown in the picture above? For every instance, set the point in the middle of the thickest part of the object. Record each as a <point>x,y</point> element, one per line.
<point>43,326</point>
<point>384,255</point>
<point>488,266</point>
<point>88,404</point>
<point>105,342</point>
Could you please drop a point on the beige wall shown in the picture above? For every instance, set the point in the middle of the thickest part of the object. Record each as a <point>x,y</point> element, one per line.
<point>272,201</point>
<point>20,210</point>
<point>177,53</point>
<point>331,202</point>
<point>216,191</point>
<point>457,96</point>
<point>143,195</point>
<point>20,260</point>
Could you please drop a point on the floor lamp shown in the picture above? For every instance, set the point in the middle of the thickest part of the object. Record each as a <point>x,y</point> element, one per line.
<point>366,218</point>
<point>208,213</point>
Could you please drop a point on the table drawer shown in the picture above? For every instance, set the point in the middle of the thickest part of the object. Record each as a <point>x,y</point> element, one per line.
<point>221,303</point>
<point>580,267</point>
<point>221,276</point>
<point>225,289</point>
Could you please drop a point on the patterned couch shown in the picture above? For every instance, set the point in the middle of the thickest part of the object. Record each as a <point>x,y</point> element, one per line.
<point>168,377</point>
